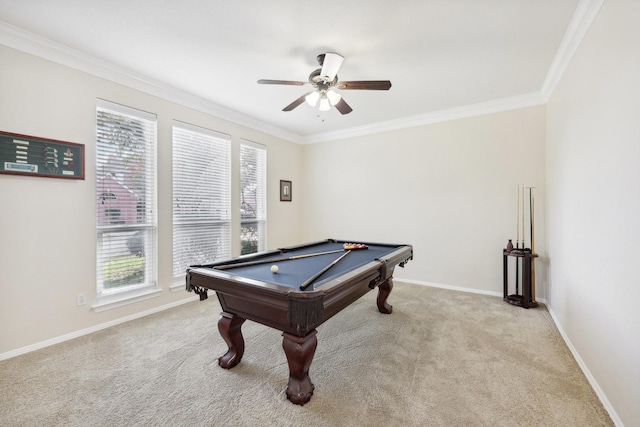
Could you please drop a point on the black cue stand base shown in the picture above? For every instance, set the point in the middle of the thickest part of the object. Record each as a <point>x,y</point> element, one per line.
<point>519,301</point>
<point>526,258</point>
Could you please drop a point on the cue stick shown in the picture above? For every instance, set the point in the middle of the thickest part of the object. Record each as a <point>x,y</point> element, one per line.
<point>321,272</point>
<point>518,219</point>
<point>517,237</point>
<point>267,261</point>
<point>522,222</point>
<point>533,264</point>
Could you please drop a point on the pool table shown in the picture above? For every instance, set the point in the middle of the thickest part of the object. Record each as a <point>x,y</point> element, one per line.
<point>247,288</point>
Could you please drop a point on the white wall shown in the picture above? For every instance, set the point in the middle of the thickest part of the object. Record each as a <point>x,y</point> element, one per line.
<point>593,184</point>
<point>449,189</point>
<point>47,226</point>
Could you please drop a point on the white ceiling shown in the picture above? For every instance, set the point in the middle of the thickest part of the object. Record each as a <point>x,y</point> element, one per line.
<point>440,55</point>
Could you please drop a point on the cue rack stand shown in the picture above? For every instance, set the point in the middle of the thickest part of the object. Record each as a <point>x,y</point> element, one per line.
<point>525,295</point>
<point>525,258</point>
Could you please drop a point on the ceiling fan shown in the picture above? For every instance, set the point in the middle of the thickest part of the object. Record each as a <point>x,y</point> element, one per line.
<point>325,82</point>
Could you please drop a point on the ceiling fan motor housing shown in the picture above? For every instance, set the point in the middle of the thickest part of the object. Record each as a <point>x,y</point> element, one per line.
<point>317,81</point>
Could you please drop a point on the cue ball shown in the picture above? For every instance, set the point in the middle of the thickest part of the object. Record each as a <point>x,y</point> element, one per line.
<point>274,268</point>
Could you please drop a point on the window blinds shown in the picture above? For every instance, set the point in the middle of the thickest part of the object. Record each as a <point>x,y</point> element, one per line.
<point>201,196</point>
<point>253,192</point>
<point>126,197</point>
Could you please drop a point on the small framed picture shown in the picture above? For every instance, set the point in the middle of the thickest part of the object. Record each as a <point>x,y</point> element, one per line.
<point>285,191</point>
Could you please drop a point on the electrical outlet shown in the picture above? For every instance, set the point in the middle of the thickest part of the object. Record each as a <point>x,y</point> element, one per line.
<point>81,298</point>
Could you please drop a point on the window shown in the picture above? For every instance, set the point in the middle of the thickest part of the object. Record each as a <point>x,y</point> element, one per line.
<point>201,197</point>
<point>253,203</point>
<point>126,199</point>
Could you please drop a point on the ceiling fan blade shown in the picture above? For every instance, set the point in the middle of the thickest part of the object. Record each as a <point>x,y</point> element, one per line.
<point>280,82</point>
<point>295,103</point>
<point>343,107</point>
<point>330,66</point>
<point>364,85</point>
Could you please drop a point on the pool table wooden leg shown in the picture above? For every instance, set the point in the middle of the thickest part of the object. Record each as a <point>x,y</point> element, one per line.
<point>299,352</point>
<point>229,326</point>
<point>384,289</point>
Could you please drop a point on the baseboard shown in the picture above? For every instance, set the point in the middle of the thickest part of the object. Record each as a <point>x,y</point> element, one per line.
<point>86,331</point>
<point>451,288</point>
<point>585,370</point>
<point>457,288</point>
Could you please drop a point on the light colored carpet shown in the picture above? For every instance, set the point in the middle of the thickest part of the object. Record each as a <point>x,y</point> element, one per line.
<point>442,358</point>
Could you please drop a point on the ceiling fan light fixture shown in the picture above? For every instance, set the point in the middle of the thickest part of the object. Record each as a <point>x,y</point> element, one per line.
<point>325,105</point>
<point>334,97</point>
<point>312,98</point>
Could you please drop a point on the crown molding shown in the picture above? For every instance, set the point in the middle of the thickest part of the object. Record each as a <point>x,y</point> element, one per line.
<point>584,15</point>
<point>25,41</point>
<point>482,108</point>
<point>42,47</point>
<point>582,19</point>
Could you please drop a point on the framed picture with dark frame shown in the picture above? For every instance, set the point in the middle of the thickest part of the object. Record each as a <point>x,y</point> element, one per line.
<point>285,191</point>
<point>44,157</point>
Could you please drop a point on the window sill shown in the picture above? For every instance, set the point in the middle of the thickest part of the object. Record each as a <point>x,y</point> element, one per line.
<point>109,302</point>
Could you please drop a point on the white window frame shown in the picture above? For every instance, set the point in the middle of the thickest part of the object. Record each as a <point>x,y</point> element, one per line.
<point>122,295</point>
<point>201,198</point>
<point>258,215</point>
